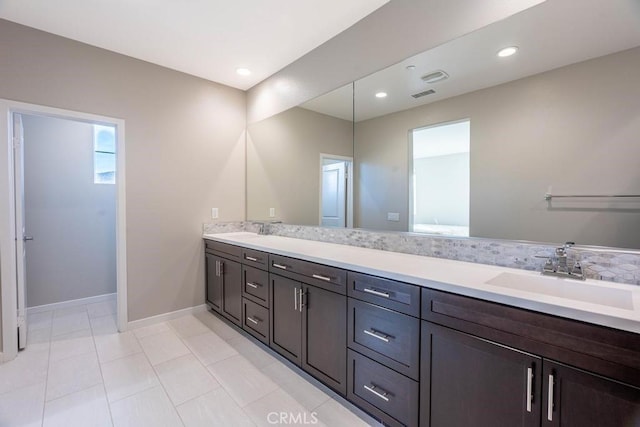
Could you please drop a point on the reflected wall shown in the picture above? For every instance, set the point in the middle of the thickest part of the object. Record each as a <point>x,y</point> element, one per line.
<point>573,130</point>
<point>283,163</point>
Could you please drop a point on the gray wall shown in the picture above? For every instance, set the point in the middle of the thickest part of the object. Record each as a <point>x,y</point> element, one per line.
<point>73,254</point>
<point>575,128</point>
<point>283,163</point>
<point>184,152</point>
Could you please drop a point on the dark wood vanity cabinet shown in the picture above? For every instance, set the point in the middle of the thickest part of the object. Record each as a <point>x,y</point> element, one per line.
<point>468,381</point>
<point>486,364</point>
<point>414,356</point>
<point>575,398</point>
<point>224,276</point>
<point>309,326</point>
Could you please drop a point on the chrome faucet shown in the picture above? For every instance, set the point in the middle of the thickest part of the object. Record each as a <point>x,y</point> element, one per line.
<point>557,265</point>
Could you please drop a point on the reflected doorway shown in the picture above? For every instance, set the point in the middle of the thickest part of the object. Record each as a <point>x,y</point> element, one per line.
<point>336,191</point>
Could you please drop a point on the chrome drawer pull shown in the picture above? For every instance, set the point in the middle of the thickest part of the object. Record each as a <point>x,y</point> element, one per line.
<point>550,397</point>
<point>252,320</point>
<point>295,299</point>
<point>318,276</point>
<point>283,267</point>
<point>529,388</point>
<point>376,334</point>
<point>250,258</point>
<point>253,285</point>
<point>301,304</point>
<point>382,395</point>
<point>378,293</point>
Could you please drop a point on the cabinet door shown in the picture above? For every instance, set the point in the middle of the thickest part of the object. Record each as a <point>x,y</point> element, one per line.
<point>214,282</point>
<point>466,381</point>
<point>324,336</point>
<point>286,318</point>
<point>577,398</point>
<point>231,272</point>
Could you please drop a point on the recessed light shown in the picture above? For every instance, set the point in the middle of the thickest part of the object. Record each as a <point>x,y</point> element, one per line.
<point>243,71</point>
<point>381,95</point>
<point>507,51</point>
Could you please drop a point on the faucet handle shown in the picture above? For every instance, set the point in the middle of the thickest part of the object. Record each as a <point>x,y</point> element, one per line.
<point>577,270</point>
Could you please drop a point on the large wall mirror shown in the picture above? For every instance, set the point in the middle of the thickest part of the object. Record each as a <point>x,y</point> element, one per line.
<point>467,142</point>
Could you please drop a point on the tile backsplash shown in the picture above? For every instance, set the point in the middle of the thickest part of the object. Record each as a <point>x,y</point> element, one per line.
<point>598,263</point>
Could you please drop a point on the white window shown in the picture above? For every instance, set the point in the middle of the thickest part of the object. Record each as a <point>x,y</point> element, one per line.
<point>104,154</point>
<point>441,179</point>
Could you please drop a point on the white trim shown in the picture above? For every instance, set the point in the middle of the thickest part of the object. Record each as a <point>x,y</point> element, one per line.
<point>7,215</point>
<point>71,303</point>
<point>148,321</point>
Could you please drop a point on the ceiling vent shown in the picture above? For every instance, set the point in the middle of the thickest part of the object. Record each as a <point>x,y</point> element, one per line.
<point>425,93</point>
<point>435,77</point>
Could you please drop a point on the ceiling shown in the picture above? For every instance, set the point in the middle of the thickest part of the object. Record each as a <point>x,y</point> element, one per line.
<point>550,35</point>
<point>204,38</point>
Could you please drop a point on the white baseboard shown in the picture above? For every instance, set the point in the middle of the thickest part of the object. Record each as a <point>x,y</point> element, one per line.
<point>72,303</point>
<point>1,357</point>
<point>148,321</point>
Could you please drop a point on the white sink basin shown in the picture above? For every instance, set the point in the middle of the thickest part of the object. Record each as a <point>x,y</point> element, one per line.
<point>566,288</point>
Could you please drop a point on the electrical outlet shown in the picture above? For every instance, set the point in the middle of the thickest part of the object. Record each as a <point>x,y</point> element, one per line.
<point>393,216</point>
<point>214,213</point>
<point>272,212</point>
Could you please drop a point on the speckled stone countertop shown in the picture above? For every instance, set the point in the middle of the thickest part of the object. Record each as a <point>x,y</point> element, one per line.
<point>594,301</point>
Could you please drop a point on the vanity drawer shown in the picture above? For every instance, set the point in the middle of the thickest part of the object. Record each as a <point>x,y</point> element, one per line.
<point>255,258</point>
<point>322,276</point>
<point>223,249</point>
<point>255,285</point>
<point>383,392</point>
<point>255,320</point>
<point>386,336</point>
<point>397,296</point>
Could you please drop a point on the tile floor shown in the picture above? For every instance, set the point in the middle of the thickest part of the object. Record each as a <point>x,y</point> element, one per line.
<point>190,371</point>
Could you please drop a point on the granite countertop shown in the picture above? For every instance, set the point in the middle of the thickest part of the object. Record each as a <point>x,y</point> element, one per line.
<point>594,301</point>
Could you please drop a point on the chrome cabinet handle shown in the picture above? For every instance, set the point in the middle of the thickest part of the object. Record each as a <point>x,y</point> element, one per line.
<point>318,276</point>
<point>529,388</point>
<point>250,258</point>
<point>295,299</point>
<point>252,320</point>
<point>283,267</point>
<point>378,293</point>
<point>253,285</point>
<point>27,238</point>
<point>550,397</point>
<point>373,390</point>
<point>221,268</point>
<point>376,334</point>
<point>217,268</point>
<point>301,304</point>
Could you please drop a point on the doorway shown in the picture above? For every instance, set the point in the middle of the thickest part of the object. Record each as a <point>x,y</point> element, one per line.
<point>336,191</point>
<point>63,237</point>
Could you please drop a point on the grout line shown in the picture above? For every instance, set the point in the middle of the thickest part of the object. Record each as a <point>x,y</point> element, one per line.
<point>46,381</point>
<point>104,387</point>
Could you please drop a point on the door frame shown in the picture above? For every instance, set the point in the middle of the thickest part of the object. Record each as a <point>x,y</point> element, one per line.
<point>8,271</point>
<point>349,171</point>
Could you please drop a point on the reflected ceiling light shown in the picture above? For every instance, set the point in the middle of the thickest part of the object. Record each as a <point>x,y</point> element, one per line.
<point>411,67</point>
<point>507,51</point>
<point>381,95</point>
<point>243,71</point>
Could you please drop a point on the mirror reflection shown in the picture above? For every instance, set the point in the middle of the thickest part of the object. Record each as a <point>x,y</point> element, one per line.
<point>300,163</point>
<point>560,116</point>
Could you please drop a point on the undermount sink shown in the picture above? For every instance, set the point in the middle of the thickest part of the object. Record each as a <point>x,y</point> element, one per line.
<point>565,288</point>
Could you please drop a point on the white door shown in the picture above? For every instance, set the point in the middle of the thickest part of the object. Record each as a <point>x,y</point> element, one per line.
<point>21,237</point>
<point>334,195</point>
